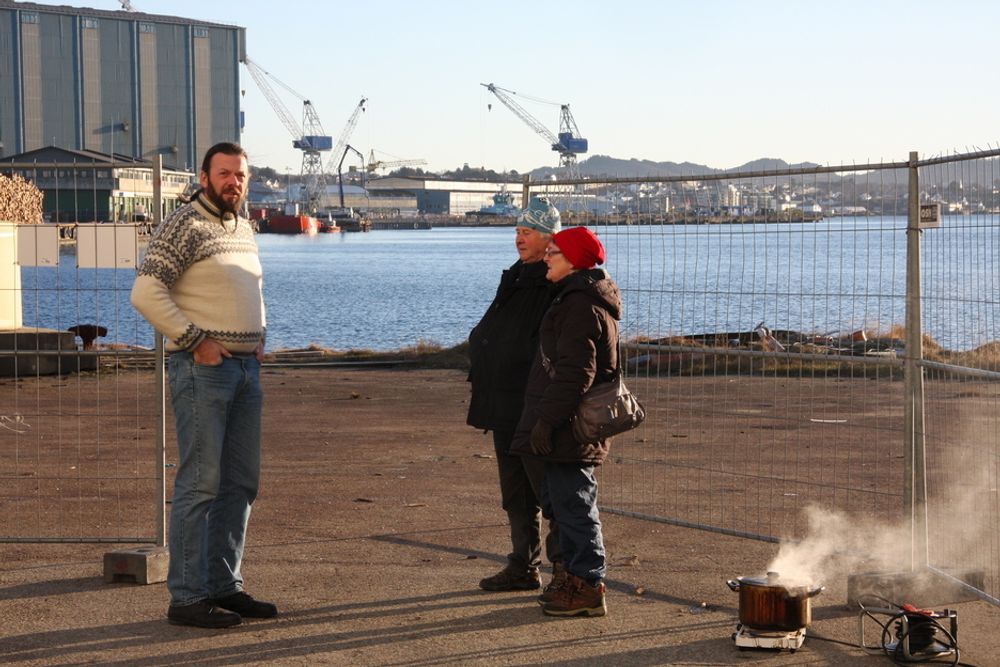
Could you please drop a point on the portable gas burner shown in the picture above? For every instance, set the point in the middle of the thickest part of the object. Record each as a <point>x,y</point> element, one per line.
<point>747,637</point>
<point>772,614</point>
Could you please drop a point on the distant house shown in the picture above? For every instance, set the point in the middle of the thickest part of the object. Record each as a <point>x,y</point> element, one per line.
<point>88,186</point>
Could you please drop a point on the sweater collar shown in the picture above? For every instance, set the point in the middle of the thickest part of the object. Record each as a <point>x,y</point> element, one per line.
<point>208,209</point>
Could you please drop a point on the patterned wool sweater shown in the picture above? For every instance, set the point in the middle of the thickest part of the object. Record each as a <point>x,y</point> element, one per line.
<point>201,277</point>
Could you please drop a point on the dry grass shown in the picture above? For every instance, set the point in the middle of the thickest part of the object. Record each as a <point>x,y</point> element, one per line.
<point>698,358</point>
<point>713,355</point>
<point>424,354</point>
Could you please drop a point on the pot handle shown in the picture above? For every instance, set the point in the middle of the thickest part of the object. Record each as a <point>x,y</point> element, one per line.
<point>735,585</point>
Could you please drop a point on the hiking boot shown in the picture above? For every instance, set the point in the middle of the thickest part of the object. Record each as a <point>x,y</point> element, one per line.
<point>577,598</point>
<point>558,581</point>
<point>512,578</point>
<point>244,605</point>
<point>202,614</point>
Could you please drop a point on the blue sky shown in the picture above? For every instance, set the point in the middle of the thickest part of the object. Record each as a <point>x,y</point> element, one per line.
<point>707,81</point>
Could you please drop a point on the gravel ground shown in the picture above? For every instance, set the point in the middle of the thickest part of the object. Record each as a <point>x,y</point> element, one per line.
<point>378,515</point>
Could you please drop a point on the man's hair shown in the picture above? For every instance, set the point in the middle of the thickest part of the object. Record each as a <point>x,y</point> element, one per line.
<point>224,147</point>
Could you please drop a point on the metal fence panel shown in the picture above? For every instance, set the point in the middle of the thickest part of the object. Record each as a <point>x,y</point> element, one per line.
<point>79,460</point>
<point>767,315</point>
<point>961,324</point>
<point>766,322</point>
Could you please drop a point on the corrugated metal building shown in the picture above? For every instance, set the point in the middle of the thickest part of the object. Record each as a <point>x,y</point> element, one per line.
<point>117,82</point>
<point>443,196</point>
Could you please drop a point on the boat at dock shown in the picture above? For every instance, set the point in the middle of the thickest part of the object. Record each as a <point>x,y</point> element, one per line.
<point>345,220</point>
<point>502,207</point>
<point>292,224</point>
<point>329,227</point>
<point>384,223</point>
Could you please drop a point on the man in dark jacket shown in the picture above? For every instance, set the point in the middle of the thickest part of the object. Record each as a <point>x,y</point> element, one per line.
<point>501,349</point>
<point>578,347</point>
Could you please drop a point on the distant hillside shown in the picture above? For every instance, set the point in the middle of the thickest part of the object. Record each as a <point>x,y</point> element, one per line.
<point>604,165</point>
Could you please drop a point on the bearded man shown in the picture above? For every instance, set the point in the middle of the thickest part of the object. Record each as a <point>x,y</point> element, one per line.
<point>200,286</point>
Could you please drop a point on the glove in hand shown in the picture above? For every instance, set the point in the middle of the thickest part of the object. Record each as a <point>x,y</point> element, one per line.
<point>541,438</point>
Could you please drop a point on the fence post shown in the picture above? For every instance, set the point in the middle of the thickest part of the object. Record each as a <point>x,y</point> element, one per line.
<point>526,191</point>
<point>915,483</point>
<point>161,394</point>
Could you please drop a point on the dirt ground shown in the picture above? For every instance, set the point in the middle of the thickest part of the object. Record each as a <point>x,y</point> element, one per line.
<point>378,515</point>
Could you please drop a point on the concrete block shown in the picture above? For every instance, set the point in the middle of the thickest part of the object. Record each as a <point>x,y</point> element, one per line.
<point>922,588</point>
<point>139,565</point>
<point>27,362</point>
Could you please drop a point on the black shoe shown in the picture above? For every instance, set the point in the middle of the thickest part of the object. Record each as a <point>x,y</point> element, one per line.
<point>512,578</point>
<point>244,605</point>
<point>202,614</point>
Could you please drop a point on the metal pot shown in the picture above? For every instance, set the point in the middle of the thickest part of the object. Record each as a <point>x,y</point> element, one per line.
<point>767,604</point>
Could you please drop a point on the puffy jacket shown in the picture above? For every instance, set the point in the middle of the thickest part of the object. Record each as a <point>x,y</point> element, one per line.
<point>503,345</point>
<point>579,336</point>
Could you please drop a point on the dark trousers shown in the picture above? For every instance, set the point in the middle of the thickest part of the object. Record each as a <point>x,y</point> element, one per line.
<point>521,481</point>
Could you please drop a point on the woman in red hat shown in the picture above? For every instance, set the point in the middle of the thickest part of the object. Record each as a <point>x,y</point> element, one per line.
<point>578,347</point>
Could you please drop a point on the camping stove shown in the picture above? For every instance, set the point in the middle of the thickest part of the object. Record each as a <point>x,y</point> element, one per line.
<point>747,637</point>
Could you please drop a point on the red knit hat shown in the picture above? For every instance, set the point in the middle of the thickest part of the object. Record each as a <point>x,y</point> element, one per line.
<point>580,246</point>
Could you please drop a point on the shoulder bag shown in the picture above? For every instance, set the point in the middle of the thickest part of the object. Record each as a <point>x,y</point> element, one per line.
<point>606,409</point>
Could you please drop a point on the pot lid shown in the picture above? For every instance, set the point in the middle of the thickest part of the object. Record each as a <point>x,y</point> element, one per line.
<point>773,579</point>
<point>769,579</point>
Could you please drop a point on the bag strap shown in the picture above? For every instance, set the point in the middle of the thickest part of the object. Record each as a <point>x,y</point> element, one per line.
<point>546,363</point>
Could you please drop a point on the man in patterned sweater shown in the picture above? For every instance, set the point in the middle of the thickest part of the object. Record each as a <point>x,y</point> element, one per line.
<point>200,286</point>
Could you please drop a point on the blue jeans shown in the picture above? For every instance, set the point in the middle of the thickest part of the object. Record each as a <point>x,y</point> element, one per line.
<point>217,410</point>
<point>570,493</point>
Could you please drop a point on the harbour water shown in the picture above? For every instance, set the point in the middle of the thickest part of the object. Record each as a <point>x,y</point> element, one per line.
<point>385,290</point>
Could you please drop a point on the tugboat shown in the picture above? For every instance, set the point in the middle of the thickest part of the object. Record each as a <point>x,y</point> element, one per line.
<point>346,220</point>
<point>502,206</point>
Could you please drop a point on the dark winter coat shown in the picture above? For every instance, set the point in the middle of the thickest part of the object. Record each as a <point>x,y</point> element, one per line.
<point>503,345</point>
<point>579,335</point>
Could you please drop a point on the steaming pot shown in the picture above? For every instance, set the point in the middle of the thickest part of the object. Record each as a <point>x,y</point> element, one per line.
<point>767,604</point>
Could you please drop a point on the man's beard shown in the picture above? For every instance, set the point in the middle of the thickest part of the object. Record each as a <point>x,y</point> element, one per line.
<point>220,202</point>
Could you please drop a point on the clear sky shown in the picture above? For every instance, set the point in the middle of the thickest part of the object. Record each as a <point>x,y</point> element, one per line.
<point>708,81</point>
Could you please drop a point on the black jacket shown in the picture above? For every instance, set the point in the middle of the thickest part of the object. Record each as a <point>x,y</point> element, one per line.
<point>503,345</point>
<point>579,335</point>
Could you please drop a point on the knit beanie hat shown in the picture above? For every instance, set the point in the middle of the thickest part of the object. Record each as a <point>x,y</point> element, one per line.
<point>580,247</point>
<point>540,215</point>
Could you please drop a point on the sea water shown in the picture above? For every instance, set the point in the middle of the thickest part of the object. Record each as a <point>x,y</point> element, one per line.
<point>384,290</point>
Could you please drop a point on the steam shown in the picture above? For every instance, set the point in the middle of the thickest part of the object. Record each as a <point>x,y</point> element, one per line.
<point>836,545</point>
<point>962,494</point>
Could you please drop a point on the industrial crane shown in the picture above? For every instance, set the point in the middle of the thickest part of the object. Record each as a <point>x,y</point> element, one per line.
<point>310,138</point>
<point>340,150</point>
<point>340,173</point>
<point>568,143</point>
<point>375,164</point>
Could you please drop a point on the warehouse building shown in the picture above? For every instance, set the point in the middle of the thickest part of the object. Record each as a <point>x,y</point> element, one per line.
<point>87,186</point>
<point>439,196</point>
<point>117,83</point>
